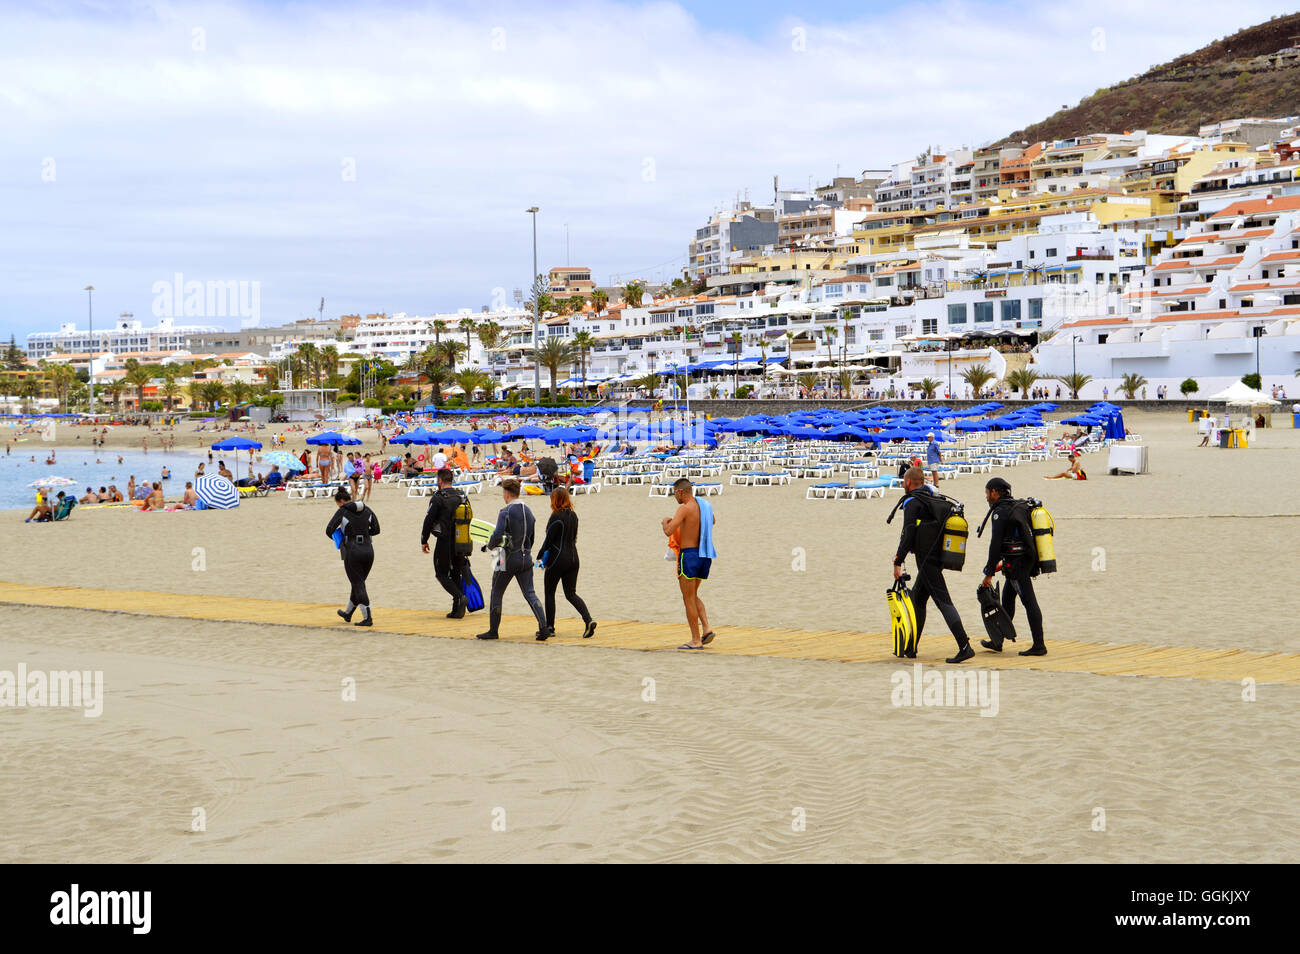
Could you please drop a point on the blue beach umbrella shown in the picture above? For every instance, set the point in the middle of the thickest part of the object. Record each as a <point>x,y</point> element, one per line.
<point>216,493</point>
<point>237,444</point>
<point>331,438</point>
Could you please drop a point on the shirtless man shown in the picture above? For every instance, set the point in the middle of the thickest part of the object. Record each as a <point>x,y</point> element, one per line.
<point>191,498</point>
<point>683,530</point>
<point>224,471</point>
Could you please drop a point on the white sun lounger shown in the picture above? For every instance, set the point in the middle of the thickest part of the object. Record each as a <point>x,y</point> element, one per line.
<point>761,478</point>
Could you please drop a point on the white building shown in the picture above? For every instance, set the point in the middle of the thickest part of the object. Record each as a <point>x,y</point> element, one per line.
<point>125,334</point>
<point>398,337</point>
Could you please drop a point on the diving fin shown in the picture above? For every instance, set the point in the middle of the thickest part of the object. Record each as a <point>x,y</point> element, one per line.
<point>902,619</point>
<point>996,621</point>
<point>470,589</point>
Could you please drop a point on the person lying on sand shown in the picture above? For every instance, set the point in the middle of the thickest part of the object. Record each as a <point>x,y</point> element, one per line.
<point>1074,472</point>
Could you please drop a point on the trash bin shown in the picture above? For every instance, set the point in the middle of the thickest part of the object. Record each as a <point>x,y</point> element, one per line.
<point>1191,414</point>
<point>1225,436</point>
<point>1295,419</point>
<point>1240,437</point>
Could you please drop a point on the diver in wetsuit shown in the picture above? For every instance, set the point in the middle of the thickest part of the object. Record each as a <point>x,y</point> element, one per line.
<point>929,574</point>
<point>1011,546</point>
<point>438,521</point>
<point>358,524</point>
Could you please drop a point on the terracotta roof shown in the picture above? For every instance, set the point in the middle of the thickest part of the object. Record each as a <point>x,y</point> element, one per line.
<point>1258,286</point>
<point>1287,256</point>
<point>1279,203</point>
<point>1202,262</point>
<point>1226,235</point>
<point>1112,320</point>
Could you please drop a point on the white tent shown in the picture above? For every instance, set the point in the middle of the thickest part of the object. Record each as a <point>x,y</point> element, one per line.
<point>1240,393</point>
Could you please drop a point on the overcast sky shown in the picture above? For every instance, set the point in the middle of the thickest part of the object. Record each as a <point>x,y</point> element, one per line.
<point>381,155</point>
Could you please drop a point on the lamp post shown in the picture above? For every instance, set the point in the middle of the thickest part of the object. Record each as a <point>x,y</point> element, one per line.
<point>537,304</point>
<point>1074,362</point>
<point>90,325</point>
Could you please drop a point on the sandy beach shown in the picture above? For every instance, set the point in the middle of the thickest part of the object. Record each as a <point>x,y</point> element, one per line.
<point>247,723</point>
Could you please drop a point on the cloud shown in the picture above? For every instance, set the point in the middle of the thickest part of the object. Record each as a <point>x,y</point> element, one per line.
<point>382,156</point>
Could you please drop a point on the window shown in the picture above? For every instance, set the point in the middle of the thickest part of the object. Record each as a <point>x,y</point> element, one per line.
<point>901,331</point>
<point>983,312</point>
<point>1011,309</point>
<point>929,326</point>
<point>956,314</point>
<point>1036,309</point>
<point>875,334</point>
<point>1051,253</point>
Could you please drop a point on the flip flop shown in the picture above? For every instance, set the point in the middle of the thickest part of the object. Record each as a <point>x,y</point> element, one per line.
<point>689,646</point>
<point>707,637</point>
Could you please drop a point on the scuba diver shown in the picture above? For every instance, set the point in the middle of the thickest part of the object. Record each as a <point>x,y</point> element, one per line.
<point>1013,549</point>
<point>351,528</point>
<point>922,531</point>
<point>439,520</point>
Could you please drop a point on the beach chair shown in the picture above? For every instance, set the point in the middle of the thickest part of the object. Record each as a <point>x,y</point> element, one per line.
<point>866,489</point>
<point>64,508</point>
<point>590,487</point>
<point>245,492</point>
<point>824,491</point>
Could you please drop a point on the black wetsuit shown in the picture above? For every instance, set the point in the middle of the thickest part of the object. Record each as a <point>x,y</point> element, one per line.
<point>359,524</point>
<point>930,584</point>
<point>1011,544</point>
<point>560,551</point>
<point>439,521</point>
<point>516,520</point>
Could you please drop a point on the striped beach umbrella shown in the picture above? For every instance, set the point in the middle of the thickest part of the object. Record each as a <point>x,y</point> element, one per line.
<point>216,492</point>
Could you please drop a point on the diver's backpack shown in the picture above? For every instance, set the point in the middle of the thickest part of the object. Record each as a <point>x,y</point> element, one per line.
<point>945,531</point>
<point>547,468</point>
<point>461,516</point>
<point>1034,541</point>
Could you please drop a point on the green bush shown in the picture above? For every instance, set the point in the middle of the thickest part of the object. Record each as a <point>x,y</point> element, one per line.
<point>1252,380</point>
<point>346,396</point>
<point>1189,386</point>
<point>744,391</point>
<point>370,402</point>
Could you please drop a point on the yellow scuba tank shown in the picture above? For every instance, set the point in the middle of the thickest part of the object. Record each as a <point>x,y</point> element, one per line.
<point>952,543</point>
<point>1044,530</point>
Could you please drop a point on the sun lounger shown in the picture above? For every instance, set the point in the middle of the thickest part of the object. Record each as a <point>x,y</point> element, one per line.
<point>701,490</point>
<point>824,491</point>
<point>593,487</point>
<point>761,478</point>
<point>806,471</point>
<point>867,488</point>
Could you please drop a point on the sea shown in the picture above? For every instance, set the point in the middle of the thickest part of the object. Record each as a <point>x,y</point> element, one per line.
<point>90,468</point>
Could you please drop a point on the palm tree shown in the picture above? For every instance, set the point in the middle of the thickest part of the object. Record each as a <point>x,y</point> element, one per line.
<point>736,340</point>
<point>1075,382</point>
<point>195,389</point>
<point>450,351</point>
<point>576,303</point>
<point>807,380</point>
<point>329,361</point>
<point>169,390</point>
<point>977,377</point>
<point>489,335</point>
<point>309,358</point>
<point>239,391</point>
<point>115,389</point>
<point>648,381</point>
<point>439,326</point>
<point>928,386</point>
<point>467,325</point>
<point>599,301</point>
<point>470,380</point>
<point>138,376</point>
<point>830,335</point>
<point>582,343</point>
<point>1131,383</point>
<point>633,293</point>
<point>438,374</point>
<point>213,392</point>
<point>552,355</point>
<point>29,389</point>
<point>1022,379</point>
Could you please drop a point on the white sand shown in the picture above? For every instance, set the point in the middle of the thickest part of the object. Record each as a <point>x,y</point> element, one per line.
<point>248,722</point>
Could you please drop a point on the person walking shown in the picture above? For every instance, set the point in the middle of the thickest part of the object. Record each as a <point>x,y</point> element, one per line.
<point>355,524</point>
<point>439,521</point>
<point>559,555</point>
<point>1012,549</point>
<point>933,457</point>
<point>514,535</point>
<point>690,535</point>
<point>920,536</point>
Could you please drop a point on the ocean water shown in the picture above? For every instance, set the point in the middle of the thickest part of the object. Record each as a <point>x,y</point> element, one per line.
<point>96,469</point>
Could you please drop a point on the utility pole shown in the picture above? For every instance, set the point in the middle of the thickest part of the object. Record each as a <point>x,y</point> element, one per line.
<point>537,317</point>
<point>90,324</point>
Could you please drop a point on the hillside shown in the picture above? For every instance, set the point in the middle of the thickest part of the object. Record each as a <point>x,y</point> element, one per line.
<point>1233,77</point>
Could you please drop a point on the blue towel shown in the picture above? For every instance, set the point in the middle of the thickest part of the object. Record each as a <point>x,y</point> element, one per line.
<point>706,529</point>
<point>338,538</point>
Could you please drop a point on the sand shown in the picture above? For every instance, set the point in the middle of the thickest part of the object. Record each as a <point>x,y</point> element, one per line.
<point>248,723</point>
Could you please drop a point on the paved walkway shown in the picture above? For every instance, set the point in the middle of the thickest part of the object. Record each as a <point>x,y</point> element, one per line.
<point>1229,665</point>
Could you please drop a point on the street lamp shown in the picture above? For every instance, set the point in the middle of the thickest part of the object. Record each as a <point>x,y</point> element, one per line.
<point>1074,362</point>
<point>537,304</point>
<point>90,326</point>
